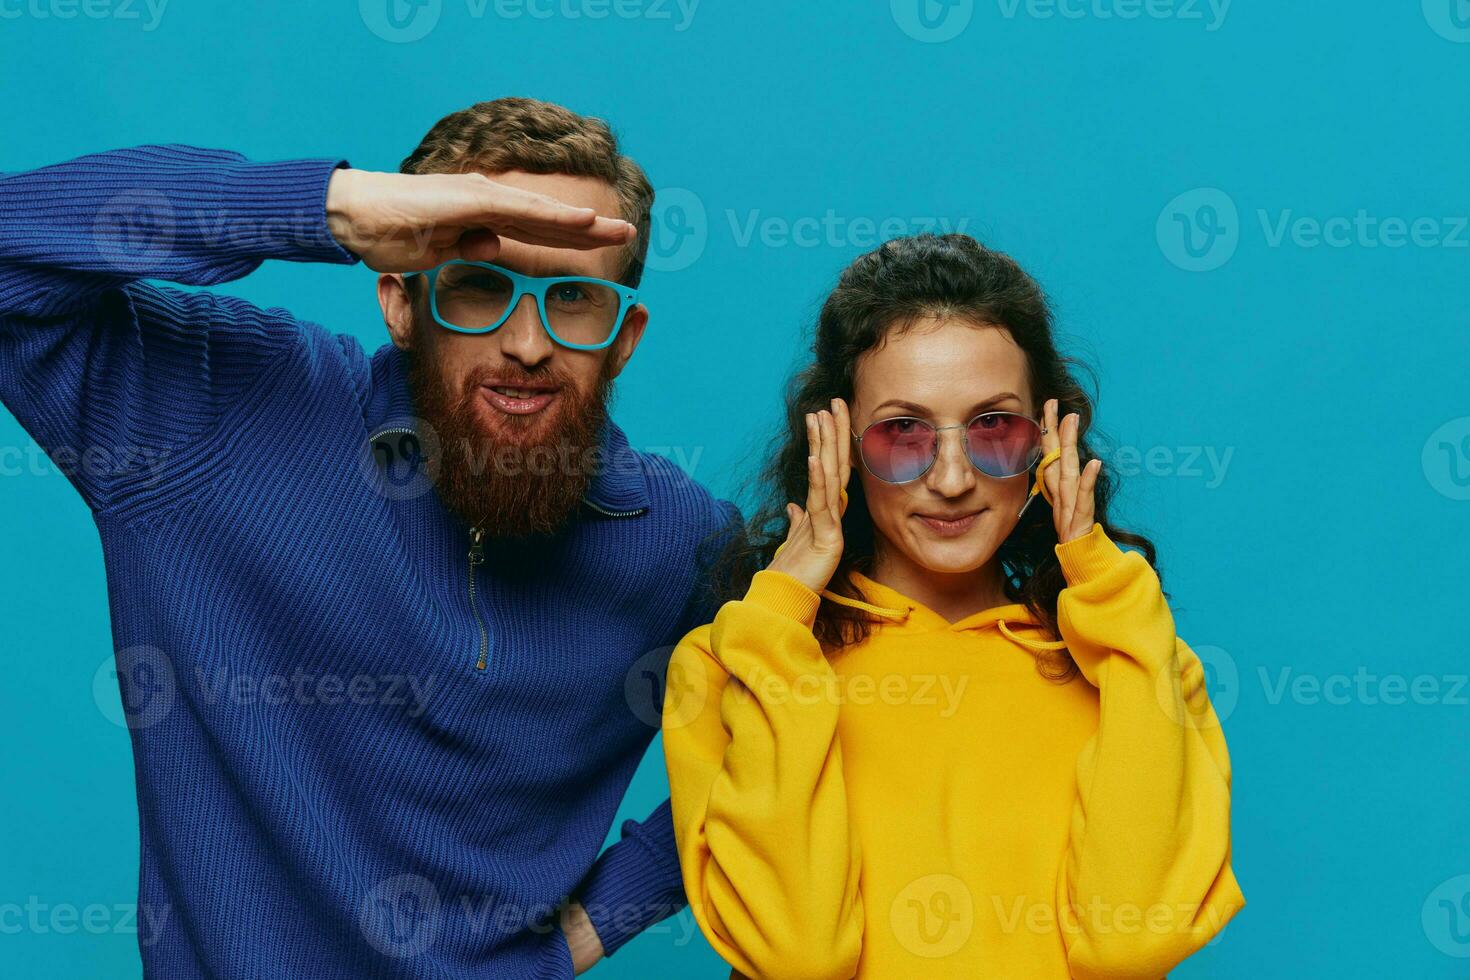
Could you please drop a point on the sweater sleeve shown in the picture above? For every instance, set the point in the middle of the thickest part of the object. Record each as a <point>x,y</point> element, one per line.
<point>99,365</point>
<point>770,864</point>
<point>635,882</point>
<point>1146,878</point>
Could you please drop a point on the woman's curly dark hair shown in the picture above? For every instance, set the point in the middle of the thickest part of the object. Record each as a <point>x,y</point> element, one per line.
<point>950,276</point>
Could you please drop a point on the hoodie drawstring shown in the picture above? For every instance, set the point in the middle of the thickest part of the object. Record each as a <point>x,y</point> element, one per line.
<point>899,615</point>
<point>882,612</point>
<point>1036,645</point>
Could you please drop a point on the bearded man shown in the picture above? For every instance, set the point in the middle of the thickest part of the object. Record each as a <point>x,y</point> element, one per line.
<point>390,628</point>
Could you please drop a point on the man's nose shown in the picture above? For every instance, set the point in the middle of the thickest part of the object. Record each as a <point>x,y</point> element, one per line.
<point>523,338</point>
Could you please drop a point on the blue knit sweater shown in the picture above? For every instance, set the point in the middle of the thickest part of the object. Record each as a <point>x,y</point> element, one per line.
<point>328,787</point>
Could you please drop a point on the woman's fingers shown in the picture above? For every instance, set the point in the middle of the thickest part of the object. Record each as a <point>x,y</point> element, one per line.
<point>794,514</point>
<point>844,440</point>
<point>1051,439</point>
<point>1069,465</point>
<point>1084,515</point>
<point>816,494</point>
<point>830,474</point>
<point>816,484</point>
<point>815,536</point>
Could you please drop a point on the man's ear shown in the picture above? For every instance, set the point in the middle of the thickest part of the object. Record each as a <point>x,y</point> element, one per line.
<point>397,305</point>
<point>633,326</point>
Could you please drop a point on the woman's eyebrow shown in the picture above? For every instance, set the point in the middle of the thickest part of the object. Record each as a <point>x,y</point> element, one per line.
<point>922,411</point>
<point>1004,396</point>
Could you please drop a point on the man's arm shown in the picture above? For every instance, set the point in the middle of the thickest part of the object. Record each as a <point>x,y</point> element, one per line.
<point>637,882</point>
<point>76,231</point>
<point>98,365</point>
<point>95,361</point>
<point>581,936</point>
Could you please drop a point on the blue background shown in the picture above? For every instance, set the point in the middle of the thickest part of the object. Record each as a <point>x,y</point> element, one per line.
<point>1327,541</point>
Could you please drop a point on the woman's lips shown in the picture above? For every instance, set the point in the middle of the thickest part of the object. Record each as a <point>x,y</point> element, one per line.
<point>518,401</point>
<point>949,528</point>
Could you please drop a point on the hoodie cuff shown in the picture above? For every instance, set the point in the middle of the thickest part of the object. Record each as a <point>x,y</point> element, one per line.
<point>1089,556</point>
<point>781,593</point>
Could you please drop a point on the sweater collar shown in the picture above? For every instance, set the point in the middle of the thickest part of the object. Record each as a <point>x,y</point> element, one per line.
<point>619,487</point>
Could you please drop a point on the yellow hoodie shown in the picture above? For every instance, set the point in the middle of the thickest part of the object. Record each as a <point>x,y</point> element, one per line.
<point>926,804</point>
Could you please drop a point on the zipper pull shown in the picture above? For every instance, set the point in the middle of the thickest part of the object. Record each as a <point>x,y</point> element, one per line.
<point>477,558</point>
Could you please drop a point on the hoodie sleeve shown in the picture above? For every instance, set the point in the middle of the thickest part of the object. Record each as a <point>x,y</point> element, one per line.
<point>1146,877</point>
<point>769,861</point>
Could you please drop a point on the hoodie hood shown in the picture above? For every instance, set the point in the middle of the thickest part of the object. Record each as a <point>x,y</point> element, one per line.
<point>896,613</point>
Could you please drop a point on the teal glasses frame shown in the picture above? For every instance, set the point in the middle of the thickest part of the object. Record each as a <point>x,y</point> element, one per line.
<point>535,287</point>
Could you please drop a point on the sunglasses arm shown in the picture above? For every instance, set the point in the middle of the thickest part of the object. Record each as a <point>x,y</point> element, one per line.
<point>1039,487</point>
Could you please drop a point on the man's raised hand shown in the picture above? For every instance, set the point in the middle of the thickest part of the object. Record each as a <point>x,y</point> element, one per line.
<point>412,222</point>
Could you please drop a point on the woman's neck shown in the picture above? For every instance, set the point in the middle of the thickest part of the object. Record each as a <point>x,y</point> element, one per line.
<point>953,595</point>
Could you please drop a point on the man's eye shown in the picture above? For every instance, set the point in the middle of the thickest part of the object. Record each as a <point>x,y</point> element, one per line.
<point>567,293</point>
<point>483,284</point>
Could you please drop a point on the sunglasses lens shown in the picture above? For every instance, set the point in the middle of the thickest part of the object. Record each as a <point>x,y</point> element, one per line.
<point>898,450</point>
<point>1002,444</point>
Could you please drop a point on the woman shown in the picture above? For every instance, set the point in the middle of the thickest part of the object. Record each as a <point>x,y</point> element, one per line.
<point>949,730</point>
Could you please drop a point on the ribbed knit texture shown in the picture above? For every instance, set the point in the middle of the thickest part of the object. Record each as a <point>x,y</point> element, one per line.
<point>327,785</point>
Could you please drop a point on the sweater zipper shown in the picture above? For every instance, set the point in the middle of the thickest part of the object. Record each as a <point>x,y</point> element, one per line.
<point>477,558</point>
<point>616,513</point>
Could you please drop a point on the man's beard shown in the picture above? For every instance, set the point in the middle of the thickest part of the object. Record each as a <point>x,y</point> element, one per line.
<point>496,480</point>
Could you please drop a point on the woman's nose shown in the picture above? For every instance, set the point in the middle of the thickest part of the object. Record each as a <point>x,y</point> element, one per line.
<point>952,474</point>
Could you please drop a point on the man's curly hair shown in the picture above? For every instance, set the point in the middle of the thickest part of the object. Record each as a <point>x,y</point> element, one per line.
<point>539,138</point>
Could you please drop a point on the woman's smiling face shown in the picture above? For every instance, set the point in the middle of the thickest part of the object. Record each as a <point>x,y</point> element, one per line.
<point>954,518</point>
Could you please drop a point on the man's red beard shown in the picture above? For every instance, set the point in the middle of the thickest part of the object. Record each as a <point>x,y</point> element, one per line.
<point>507,477</point>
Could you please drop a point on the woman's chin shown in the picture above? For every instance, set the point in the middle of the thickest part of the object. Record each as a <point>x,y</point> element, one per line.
<point>952,556</point>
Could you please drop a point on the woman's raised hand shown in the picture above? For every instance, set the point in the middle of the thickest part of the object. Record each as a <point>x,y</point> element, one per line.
<point>813,545</point>
<point>1069,485</point>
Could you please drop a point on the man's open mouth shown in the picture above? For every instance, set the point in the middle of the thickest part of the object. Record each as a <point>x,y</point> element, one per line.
<point>519,400</point>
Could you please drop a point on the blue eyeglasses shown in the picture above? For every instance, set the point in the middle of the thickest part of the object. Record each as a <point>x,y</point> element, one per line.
<point>477,297</point>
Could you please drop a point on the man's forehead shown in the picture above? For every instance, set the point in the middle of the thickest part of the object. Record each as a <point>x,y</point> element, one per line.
<point>544,260</point>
